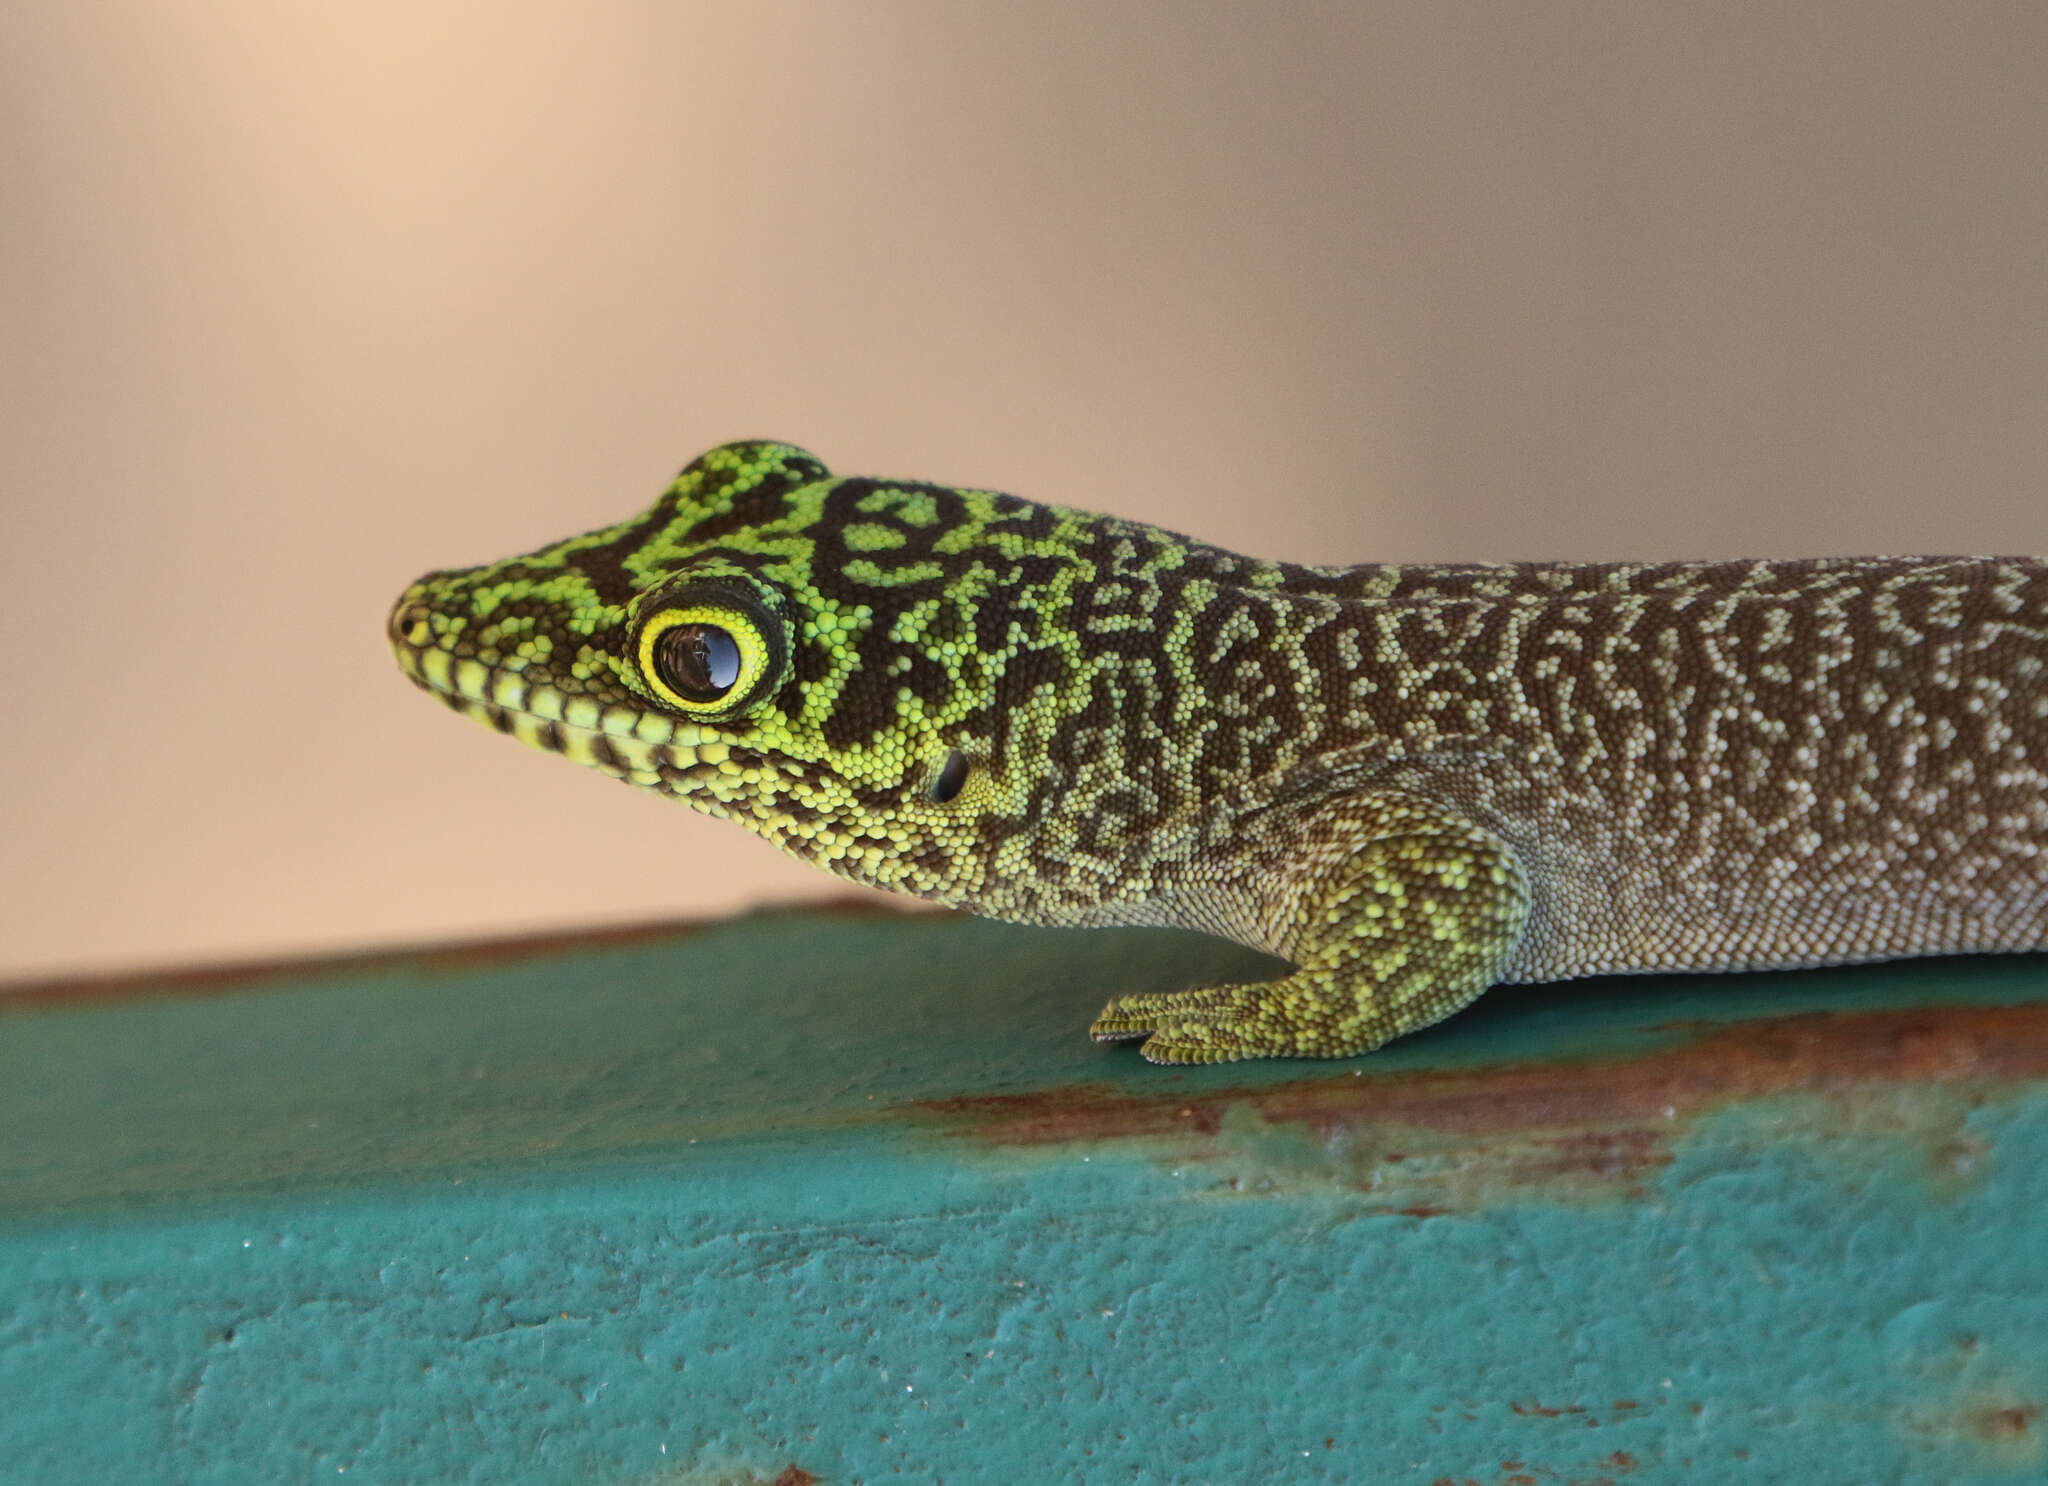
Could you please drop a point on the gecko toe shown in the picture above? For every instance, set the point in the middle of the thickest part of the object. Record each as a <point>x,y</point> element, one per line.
<point>1107,1028</point>
<point>1125,1018</point>
<point>1221,1032</point>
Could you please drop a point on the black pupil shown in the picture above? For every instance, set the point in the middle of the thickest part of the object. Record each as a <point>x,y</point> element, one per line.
<point>952,774</point>
<point>700,662</point>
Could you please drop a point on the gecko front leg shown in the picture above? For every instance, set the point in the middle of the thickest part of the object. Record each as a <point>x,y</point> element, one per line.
<point>1396,912</point>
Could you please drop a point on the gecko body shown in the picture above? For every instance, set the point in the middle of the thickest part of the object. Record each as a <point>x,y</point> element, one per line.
<point>1410,781</point>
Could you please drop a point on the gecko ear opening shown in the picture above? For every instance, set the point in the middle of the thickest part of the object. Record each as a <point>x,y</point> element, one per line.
<point>948,778</point>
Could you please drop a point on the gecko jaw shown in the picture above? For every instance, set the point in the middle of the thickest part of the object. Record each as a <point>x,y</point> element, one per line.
<point>629,744</point>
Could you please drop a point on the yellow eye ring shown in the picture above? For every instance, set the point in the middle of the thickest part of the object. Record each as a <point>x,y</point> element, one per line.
<point>710,651</point>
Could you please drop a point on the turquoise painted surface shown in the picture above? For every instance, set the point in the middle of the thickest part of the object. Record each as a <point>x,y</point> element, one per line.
<point>597,1216</point>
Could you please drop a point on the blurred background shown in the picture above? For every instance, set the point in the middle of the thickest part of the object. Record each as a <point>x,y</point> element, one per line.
<point>297,301</point>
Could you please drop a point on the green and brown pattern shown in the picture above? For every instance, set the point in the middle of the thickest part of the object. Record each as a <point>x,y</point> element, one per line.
<point>1411,781</point>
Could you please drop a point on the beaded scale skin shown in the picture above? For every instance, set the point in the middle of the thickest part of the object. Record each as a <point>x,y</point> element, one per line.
<point>1412,782</point>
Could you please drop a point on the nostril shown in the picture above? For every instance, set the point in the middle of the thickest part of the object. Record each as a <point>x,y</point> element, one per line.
<point>409,623</point>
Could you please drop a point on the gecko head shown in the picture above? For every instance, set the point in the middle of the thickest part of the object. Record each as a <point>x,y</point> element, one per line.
<point>871,674</point>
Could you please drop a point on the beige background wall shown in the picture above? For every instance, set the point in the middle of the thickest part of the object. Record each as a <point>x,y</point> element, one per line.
<point>298,300</point>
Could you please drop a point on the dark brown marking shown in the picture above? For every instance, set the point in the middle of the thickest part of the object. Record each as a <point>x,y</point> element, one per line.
<point>604,563</point>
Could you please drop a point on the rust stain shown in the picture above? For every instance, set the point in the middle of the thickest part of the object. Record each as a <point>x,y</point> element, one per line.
<point>794,1476</point>
<point>2005,1424</point>
<point>442,959</point>
<point>1539,1411</point>
<point>1438,1140</point>
<point>2002,1427</point>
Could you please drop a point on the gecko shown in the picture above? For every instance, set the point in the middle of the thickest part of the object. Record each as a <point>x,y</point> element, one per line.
<point>1409,782</point>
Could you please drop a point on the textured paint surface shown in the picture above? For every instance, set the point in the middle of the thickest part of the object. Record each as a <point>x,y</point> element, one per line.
<point>593,1215</point>
<point>1412,782</point>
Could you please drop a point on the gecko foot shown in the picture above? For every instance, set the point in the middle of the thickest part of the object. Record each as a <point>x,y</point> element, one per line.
<point>1401,932</point>
<point>1219,1024</point>
<point>1317,1012</point>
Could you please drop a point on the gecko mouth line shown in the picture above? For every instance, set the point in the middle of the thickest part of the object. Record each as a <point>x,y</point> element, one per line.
<point>617,745</point>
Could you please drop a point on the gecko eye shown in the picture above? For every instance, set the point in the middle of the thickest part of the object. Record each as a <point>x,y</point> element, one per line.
<point>948,781</point>
<point>700,662</point>
<point>710,649</point>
